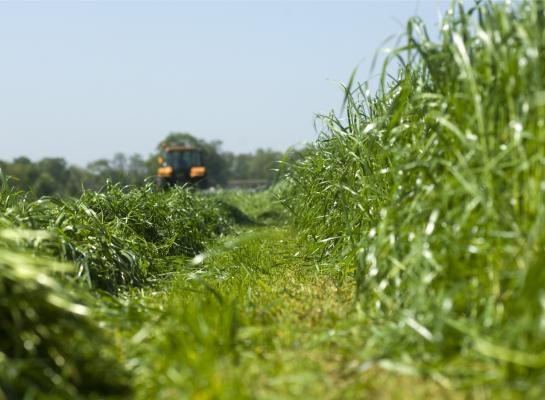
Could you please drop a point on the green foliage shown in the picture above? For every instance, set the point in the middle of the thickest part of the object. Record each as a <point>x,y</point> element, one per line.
<point>245,320</point>
<point>53,176</point>
<point>118,236</point>
<point>425,204</point>
<point>224,166</point>
<point>262,207</point>
<point>49,343</point>
<point>252,319</point>
<point>258,165</point>
<point>432,193</point>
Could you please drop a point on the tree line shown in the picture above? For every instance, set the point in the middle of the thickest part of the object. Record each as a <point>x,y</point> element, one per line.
<point>55,176</point>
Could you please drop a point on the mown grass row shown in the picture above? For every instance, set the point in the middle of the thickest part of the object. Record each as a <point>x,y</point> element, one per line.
<point>118,236</point>
<point>432,192</point>
<point>254,208</point>
<point>53,251</point>
<point>51,346</point>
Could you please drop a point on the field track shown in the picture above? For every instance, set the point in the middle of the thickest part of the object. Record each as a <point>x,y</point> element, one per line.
<point>261,322</point>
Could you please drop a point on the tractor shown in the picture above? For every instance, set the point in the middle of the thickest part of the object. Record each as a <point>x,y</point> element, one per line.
<point>181,165</point>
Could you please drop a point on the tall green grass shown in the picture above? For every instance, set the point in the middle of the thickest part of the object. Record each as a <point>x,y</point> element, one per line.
<point>118,236</point>
<point>432,193</point>
<point>52,251</point>
<point>50,344</point>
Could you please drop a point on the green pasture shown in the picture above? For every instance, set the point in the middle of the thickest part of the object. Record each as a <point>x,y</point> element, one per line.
<point>401,255</point>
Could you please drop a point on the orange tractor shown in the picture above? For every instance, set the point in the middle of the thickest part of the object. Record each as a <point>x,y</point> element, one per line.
<point>181,165</point>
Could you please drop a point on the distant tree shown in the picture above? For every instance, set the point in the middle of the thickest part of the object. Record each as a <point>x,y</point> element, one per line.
<point>264,162</point>
<point>74,183</point>
<point>119,163</point>
<point>240,167</point>
<point>22,161</point>
<point>3,166</point>
<point>137,170</point>
<point>55,167</point>
<point>24,171</point>
<point>54,176</point>
<point>46,185</point>
<point>258,165</point>
<point>99,167</point>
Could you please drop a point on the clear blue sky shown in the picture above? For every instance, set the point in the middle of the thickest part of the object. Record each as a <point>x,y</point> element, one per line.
<point>84,80</point>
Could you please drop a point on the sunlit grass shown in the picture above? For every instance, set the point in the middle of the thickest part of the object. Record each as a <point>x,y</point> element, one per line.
<point>117,237</point>
<point>260,207</point>
<point>431,193</point>
<point>413,267</point>
<point>51,340</point>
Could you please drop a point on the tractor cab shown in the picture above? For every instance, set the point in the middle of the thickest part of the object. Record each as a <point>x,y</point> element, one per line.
<point>181,165</point>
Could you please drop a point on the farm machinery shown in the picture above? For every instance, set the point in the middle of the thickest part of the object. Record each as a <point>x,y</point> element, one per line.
<point>181,165</point>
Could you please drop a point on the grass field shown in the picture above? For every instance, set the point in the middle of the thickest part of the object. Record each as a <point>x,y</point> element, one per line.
<point>399,256</point>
